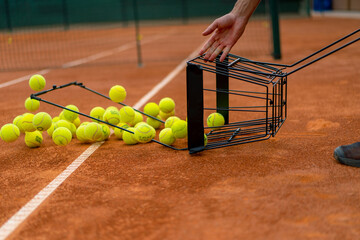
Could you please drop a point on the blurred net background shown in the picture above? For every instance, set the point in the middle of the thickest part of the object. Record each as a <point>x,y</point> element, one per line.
<point>38,34</point>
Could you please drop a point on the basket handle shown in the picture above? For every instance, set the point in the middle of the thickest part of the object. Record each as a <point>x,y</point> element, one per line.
<point>314,54</point>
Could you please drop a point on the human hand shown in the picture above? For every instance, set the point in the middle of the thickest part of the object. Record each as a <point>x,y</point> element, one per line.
<point>226,32</point>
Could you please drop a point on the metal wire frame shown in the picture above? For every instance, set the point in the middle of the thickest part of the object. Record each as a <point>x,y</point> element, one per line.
<point>55,87</point>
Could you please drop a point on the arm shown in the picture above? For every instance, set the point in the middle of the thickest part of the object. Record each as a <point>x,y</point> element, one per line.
<point>228,29</point>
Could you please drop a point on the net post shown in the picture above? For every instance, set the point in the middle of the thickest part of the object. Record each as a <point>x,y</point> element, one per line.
<point>137,33</point>
<point>274,12</point>
<point>222,88</point>
<point>195,107</point>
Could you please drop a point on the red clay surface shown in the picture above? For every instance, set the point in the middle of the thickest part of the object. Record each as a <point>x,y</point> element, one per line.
<point>288,187</point>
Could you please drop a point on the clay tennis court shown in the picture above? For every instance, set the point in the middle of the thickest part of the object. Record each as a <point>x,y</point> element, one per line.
<point>288,187</point>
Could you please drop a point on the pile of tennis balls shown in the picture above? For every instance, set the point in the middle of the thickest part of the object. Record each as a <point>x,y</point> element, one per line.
<point>127,123</point>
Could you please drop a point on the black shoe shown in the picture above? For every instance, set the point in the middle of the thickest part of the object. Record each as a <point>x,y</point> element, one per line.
<point>348,154</point>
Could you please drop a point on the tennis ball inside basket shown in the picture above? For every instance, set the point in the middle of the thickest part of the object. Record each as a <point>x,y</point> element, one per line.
<point>128,137</point>
<point>167,105</point>
<point>179,129</point>
<point>37,82</point>
<point>97,112</point>
<point>118,131</point>
<point>215,120</point>
<point>117,93</point>
<point>152,109</point>
<point>166,136</point>
<point>9,132</point>
<point>112,116</point>
<point>69,115</point>
<point>42,121</point>
<point>93,131</point>
<point>153,122</point>
<point>127,114</point>
<point>144,133</point>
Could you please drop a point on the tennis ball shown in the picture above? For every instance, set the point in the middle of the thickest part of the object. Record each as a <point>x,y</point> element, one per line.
<point>112,116</point>
<point>152,109</point>
<point>119,132</point>
<point>167,105</point>
<point>205,140</point>
<point>97,112</point>
<point>37,82</point>
<point>84,123</point>
<point>166,136</point>
<point>33,139</point>
<point>93,131</point>
<point>32,104</point>
<point>69,115</point>
<point>61,136</point>
<point>170,121</point>
<point>154,123</point>
<point>105,130</point>
<point>165,116</point>
<point>111,108</point>
<point>127,114</point>
<point>117,93</point>
<point>137,118</point>
<point>61,115</point>
<point>77,122</point>
<point>9,132</point>
<point>55,119</point>
<point>139,124</point>
<point>17,122</point>
<point>51,129</point>
<point>80,134</point>
<point>26,122</point>
<point>42,121</point>
<point>179,129</point>
<point>129,138</point>
<point>72,129</point>
<point>144,133</point>
<point>215,120</point>
<point>62,123</point>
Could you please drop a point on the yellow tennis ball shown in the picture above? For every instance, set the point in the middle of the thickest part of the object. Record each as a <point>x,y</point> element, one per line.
<point>152,109</point>
<point>144,133</point>
<point>205,140</point>
<point>33,139</point>
<point>165,116</point>
<point>72,129</point>
<point>55,119</point>
<point>9,132</point>
<point>154,123</point>
<point>119,132</point>
<point>17,122</point>
<point>93,131</point>
<point>127,114</point>
<point>139,124</point>
<point>61,115</point>
<point>105,130</point>
<point>32,104</point>
<point>37,82</point>
<point>215,120</point>
<point>170,121</point>
<point>77,122</point>
<point>42,121</point>
<point>62,123</point>
<point>62,136</point>
<point>51,129</point>
<point>26,122</point>
<point>166,136</point>
<point>129,138</point>
<point>80,134</point>
<point>179,129</point>
<point>137,118</point>
<point>69,115</point>
<point>84,123</point>
<point>117,93</point>
<point>112,116</point>
<point>111,108</point>
<point>167,105</point>
<point>97,112</point>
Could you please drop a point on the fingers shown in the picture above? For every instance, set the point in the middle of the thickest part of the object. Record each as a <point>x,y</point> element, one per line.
<point>225,53</point>
<point>211,50</point>
<point>216,53</point>
<point>210,28</point>
<point>206,46</point>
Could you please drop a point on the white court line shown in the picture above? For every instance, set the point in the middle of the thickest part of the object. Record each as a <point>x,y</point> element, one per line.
<point>83,60</point>
<point>10,225</point>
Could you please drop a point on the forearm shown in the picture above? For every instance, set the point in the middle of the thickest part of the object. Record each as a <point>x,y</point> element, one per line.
<point>245,8</point>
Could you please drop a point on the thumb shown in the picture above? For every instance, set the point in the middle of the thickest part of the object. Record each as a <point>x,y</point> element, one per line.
<point>210,28</point>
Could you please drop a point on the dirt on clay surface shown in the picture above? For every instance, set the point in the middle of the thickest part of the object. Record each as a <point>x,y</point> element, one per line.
<point>288,187</point>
